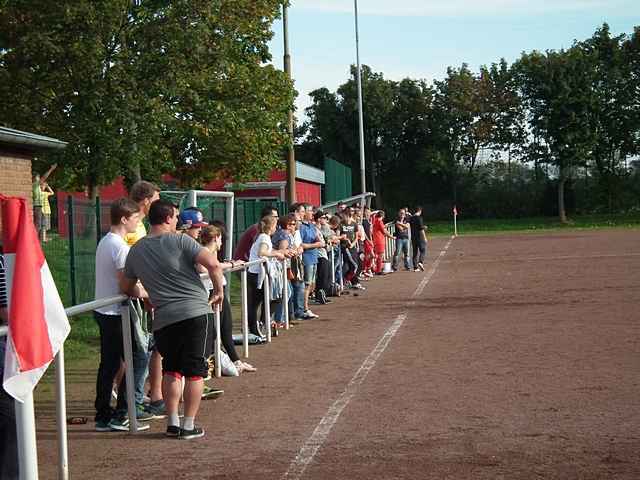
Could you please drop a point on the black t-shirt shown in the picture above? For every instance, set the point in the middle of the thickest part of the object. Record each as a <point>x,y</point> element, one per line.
<point>417,225</point>
<point>402,233</point>
<point>348,229</point>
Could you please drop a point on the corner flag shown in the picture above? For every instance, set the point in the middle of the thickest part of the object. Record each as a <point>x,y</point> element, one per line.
<point>38,324</point>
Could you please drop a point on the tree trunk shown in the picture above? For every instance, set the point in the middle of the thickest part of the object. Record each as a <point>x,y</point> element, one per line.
<point>561,208</point>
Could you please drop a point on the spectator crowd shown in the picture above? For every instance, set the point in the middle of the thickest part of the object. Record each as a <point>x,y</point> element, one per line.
<point>174,273</point>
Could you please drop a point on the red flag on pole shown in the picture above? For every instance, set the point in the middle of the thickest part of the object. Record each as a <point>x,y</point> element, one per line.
<point>38,324</point>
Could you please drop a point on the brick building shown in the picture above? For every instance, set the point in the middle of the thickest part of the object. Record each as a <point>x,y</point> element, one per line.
<point>17,150</point>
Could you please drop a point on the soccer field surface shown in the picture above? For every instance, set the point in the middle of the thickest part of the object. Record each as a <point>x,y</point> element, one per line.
<point>511,356</point>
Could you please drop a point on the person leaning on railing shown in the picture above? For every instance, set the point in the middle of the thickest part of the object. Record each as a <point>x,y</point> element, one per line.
<point>111,255</point>
<point>165,263</point>
<point>211,238</point>
<point>282,240</point>
<point>261,248</point>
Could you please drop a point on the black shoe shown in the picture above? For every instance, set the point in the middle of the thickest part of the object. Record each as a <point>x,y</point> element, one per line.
<point>173,431</point>
<point>196,432</point>
<point>211,392</point>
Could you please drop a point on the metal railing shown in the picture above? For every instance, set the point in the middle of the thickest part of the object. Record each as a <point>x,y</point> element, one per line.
<point>25,419</point>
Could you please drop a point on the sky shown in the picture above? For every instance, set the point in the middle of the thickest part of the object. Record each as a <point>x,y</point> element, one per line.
<point>419,39</point>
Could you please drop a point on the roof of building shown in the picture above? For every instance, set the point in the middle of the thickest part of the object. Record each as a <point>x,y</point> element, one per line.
<point>28,140</point>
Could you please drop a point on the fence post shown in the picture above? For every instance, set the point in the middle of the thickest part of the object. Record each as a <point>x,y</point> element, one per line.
<point>266,289</point>
<point>285,295</point>
<point>98,220</point>
<point>128,363</point>
<point>72,249</point>
<point>245,313</point>
<point>217,345</point>
<point>61,414</point>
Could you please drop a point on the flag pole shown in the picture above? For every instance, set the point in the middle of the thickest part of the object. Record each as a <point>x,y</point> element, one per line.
<point>26,437</point>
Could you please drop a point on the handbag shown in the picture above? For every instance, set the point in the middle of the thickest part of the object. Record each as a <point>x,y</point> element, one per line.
<point>297,269</point>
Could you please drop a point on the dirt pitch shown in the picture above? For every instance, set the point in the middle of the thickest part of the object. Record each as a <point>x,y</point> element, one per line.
<point>519,359</point>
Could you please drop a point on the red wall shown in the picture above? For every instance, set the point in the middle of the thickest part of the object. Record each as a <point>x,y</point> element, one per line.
<point>305,192</point>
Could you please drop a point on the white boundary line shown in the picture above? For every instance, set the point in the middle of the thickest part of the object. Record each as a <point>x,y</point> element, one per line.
<point>310,448</point>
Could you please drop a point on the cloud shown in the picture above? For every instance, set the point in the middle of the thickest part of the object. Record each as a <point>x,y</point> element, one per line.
<point>455,7</point>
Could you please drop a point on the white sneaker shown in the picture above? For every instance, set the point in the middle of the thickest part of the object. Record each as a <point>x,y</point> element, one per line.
<point>421,266</point>
<point>357,286</point>
<point>309,314</point>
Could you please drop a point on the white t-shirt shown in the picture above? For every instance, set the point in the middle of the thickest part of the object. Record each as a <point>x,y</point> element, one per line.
<point>255,248</point>
<point>111,255</point>
<point>297,239</point>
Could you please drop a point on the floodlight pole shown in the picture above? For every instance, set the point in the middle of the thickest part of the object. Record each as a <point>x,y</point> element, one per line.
<point>291,157</point>
<point>363,178</point>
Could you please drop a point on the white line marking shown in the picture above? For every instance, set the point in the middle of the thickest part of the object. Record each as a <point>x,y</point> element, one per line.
<point>310,448</point>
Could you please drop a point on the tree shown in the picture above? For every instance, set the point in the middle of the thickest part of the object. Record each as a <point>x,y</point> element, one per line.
<point>612,116</point>
<point>146,87</point>
<point>556,91</point>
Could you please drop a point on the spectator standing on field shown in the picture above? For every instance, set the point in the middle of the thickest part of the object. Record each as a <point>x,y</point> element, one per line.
<point>165,262</point>
<point>418,239</point>
<point>311,242</point>
<point>38,198</point>
<point>249,235</point>
<point>297,283</point>
<point>144,194</point>
<point>402,240</point>
<point>111,256</point>
<point>261,248</point>
<point>379,235</point>
<point>46,211</point>
<point>211,238</point>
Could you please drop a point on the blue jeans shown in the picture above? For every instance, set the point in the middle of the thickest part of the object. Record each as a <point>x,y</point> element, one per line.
<point>402,247</point>
<point>337,265</point>
<point>278,316</point>
<point>296,300</point>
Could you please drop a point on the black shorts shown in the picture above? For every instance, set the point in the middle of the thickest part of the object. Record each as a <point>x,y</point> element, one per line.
<point>183,346</point>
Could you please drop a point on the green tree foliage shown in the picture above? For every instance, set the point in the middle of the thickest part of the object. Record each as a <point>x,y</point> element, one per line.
<point>146,87</point>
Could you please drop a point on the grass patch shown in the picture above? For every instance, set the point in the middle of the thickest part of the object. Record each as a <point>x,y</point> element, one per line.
<point>534,224</point>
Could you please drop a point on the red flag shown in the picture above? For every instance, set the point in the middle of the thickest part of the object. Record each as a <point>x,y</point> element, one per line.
<point>38,324</point>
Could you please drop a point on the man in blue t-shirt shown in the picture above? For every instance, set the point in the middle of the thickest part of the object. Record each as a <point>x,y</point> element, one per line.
<point>311,241</point>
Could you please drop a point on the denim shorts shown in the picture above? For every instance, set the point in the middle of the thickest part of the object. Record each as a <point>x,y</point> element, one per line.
<point>310,273</point>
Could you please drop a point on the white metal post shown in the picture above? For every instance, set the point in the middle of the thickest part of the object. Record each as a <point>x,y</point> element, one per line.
<point>26,437</point>
<point>266,290</point>
<point>455,223</point>
<point>228,241</point>
<point>217,345</point>
<point>191,199</point>
<point>128,363</point>
<point>285,294</point>
<point>61,415</point>
<point>245,313</point>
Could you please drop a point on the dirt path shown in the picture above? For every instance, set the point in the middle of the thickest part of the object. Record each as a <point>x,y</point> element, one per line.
<point>519,359</point>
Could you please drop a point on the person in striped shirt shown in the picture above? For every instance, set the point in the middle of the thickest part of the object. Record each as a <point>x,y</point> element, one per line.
<point>8,438</point>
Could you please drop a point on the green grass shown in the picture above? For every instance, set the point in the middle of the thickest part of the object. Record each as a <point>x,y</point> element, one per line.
<point>535,224</point>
